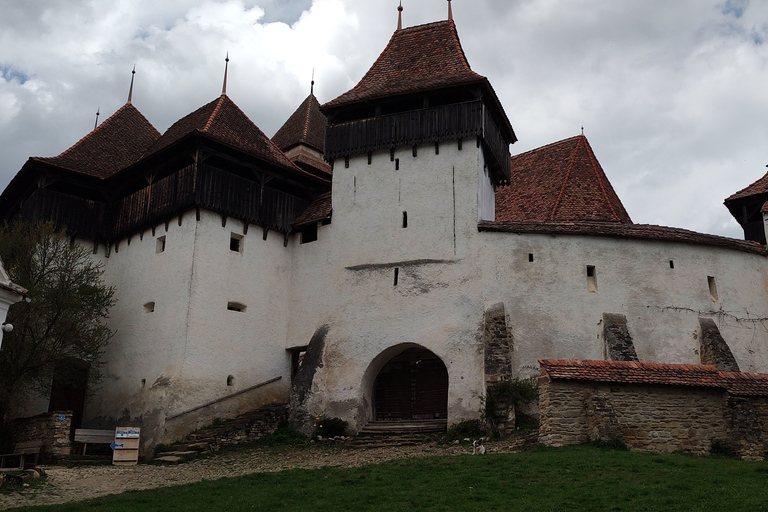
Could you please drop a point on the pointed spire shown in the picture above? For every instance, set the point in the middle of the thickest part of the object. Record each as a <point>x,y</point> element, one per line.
<point>130,91</point>
<point>450,11</point>
<point>312,86</point>
<point>98,111</point>
<point>400,16</point>
<point>226,68</point>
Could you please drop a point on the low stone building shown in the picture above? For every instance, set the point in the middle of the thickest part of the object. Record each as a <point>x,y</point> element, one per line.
<point>653,407</point>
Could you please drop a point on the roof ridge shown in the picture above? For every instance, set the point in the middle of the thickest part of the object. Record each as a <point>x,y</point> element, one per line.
<point>565,181</point>
<point>593,161</point>
<point>457,42</point>
<point>546,146</point>
<point>215,112</point>
<point>307,113</point>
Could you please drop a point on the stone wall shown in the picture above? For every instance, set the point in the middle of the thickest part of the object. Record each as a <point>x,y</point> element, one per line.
<point>497,350</point>
<point>245,428</point>
<point>645,417</point>
<point>52,429</point>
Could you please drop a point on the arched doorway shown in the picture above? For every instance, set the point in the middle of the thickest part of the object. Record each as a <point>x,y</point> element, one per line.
<point>413,385</point>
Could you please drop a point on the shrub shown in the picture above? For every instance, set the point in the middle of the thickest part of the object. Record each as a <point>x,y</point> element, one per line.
<point>506,395</point>
<point>472,429</point>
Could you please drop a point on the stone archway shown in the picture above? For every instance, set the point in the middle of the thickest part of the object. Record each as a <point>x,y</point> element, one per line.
<point>411,386</point>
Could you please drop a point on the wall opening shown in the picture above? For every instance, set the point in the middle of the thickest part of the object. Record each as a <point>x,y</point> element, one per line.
<point>530,257</point>
<point>405,219</point>
<point>143,382</point>
<point>236,306</point>
<point>413,385</point>
<point>309,233</point>
<point>591,278</point>
<point>671,264</point>
<point>397,274</point>
<point>160,244</point>
<point>712,288</point>
<point>236,242</point>
<point>68,389</point>
<point>230,380</point>
<point>149,307</point>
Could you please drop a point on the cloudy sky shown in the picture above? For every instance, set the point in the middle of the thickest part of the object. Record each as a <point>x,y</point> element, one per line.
<point>672,95</point>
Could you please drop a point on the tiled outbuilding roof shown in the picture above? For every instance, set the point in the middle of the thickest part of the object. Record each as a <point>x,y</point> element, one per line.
<point>417,59</point>
<point>318,210</point>
<point>223,121</point>
<point>305,126</point>
<point>634,372</point>
<point>114,145</point>
<point>562,181</point>
<point>618,230</point>
<point>756,188</point>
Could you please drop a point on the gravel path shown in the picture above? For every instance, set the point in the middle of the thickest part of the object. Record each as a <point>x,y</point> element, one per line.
<point>79,483</point>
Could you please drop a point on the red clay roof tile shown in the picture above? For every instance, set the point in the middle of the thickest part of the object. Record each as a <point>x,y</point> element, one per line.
<point>318,210</point>
<point>112,146</point>
<point>756,188</point>
<point>562,181</point>
<point>417,59</point>
<point>618,230</point>
<point>305,126</point>
<point>626,372</point>
<point>223,121</point>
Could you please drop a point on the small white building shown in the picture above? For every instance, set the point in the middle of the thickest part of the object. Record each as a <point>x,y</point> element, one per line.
<point>389,266</point>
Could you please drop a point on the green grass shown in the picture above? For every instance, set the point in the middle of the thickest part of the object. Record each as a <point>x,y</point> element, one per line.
<point>581,478</point>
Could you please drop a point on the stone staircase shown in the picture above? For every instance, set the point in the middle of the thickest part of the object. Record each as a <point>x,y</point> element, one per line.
<point>404,427</point>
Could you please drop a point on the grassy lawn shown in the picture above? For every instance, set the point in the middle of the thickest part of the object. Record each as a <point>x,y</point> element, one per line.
<point>581,478</point>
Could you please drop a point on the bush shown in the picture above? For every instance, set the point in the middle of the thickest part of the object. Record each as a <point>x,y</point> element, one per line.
<point>329,427</point>
<point>472,429</point>
<point>506,395</point>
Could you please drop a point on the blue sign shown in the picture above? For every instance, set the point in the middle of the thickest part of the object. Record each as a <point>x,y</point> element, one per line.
<point>115,445</point>
<point>62,417</point>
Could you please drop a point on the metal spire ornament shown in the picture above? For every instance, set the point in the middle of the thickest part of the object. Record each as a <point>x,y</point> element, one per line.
<point>98,111</point>
<point>450,11</point>
<point>226,68</point>
<point>400,16</point>
<point>130,91</point>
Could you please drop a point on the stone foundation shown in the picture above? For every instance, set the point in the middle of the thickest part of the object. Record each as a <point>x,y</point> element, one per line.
<point>52,429</point>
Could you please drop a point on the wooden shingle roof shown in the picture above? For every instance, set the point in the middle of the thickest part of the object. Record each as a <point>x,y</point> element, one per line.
<point>305,126</point>
<point>112,146</point>
<point>417,59</point>
<point>223,121</point>
<point>562,181</point>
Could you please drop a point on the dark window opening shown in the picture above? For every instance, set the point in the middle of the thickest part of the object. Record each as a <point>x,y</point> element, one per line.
<point>149,307</point>
<point>405,219</point>
<point>160,245</point>
<point>309,233</point>
<point>397,274</point>
<point>143,382</point>
<point>712,288</point>
<point>235,306</point>
<point>590,271</point>
<point>230,380</point>
<point>235,243</point>
<point>591,278</point>
<point>397,164</point>
<point>671,264</point>
<point>530,256</point>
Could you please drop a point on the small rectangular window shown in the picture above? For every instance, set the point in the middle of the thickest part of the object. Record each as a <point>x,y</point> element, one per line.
<point>712,288</point>
<point>160,244</point>
<point>671,264</point>
<point>530,257</point>
<point>591,278</point>
<point>236,243</point>
<point>309,233</point>
<point>405,219</point>
<point>149,307</point>
<point>236,306</point>
<point>397,274</point>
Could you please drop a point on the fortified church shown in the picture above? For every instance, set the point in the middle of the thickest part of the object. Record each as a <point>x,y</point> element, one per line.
<point>383,257</point>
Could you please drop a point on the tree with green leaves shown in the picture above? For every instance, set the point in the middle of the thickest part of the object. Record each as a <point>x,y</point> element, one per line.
<point>65,320</point>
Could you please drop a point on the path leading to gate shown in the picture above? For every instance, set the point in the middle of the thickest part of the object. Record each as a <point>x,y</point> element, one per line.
<point>79,483</point>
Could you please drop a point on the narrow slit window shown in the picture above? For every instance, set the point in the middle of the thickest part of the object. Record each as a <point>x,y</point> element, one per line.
<point>712,288</point>
<point>230,380</point>
<point>671,264</point>
<point>530,257</point>
<point>397,164</point>
<point>160,245</point>
<point>591,278</point>
<point>143,382</point>
<point>236,242</point>
<point>236,306</point>
<point>397,275</point>
<point>149,307</point>
<point>405,219</point>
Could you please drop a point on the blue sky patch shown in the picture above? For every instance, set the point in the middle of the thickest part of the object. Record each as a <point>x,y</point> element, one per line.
<point>9,73</point>
<point>735,8</point>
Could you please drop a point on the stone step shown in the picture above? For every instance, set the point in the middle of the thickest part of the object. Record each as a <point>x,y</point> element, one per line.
<point>404,427</point>
<point>183,456</point>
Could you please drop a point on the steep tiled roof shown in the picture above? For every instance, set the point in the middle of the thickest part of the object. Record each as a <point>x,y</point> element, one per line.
<point>562,181</point>
<point>112,146</point>
<point>615,229</point>
<point>319,209</point>
<point>633,372</point>
<point>223,121</point>
<point>756,188</point>
<point>305,126</point>
<point>416,59</point>
<point>318,167</point>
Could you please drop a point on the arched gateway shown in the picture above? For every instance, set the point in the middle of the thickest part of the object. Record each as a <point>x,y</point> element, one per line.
<point>413,385</point>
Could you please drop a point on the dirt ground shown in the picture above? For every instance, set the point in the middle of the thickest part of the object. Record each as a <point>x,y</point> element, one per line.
<point>66,484</point>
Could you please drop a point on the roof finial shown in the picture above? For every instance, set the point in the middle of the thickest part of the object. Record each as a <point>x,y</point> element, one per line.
<point>450,11</point>
<point>226,68</point>
<point>582,130</point>
<point>98,111</point>
<point>312,86</point>
<point>400,16</point>
<point>130,91</point>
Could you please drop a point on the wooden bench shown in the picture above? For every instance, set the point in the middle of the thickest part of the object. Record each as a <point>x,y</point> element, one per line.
<point>87,435</point>
<point>22,452</point>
